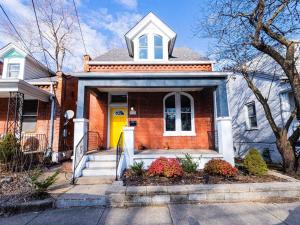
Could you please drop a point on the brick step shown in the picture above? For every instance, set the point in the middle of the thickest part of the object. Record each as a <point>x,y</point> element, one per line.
<point>100,164</point>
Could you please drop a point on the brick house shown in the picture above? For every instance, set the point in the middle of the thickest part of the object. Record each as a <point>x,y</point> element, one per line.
<point>152,100</point>
<point>33,101</point>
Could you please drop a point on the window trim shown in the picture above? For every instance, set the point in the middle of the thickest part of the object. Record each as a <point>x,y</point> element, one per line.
<point>178,129</point>
<point>144,47</point>
<point>248,123</point>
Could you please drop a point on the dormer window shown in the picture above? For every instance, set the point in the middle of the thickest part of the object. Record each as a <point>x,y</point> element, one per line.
<point>143,47</point>
<point>13,70</point>
<point>158,47</point>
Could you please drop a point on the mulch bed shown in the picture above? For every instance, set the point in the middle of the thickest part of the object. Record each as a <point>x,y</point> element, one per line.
<point>198,177</point>
<point>15,188</point>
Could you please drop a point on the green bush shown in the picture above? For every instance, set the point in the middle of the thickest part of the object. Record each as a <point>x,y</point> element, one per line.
<point>41,185</point>
<point>187,164</point>
<point>9,146</point>
<point>255,164</point>
<point>138,168</point>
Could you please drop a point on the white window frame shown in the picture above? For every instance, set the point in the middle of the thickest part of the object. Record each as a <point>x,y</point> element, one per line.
<point>143,47</point>
<point>161,47</point>
<point>8,70</point>
<point>178,131</point>
<point>248,123</point>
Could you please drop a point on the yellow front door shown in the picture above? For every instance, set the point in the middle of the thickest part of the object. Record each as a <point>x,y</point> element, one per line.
<point>118,120</point>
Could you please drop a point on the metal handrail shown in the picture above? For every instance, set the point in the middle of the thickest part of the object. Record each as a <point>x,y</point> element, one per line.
<point>81,149</point>
<point>119,152</point>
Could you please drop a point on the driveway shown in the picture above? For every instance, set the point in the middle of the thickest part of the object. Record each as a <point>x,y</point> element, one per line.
<point>203,214</point>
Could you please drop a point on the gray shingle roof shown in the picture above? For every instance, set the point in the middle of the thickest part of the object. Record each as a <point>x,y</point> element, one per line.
<point>43,79</point>
<point>179,54</point>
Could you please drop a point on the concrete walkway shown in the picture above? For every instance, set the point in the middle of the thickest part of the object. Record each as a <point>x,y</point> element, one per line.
<point>204,214</point>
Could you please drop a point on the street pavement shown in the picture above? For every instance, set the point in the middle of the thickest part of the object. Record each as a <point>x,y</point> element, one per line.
<point>198,214</point>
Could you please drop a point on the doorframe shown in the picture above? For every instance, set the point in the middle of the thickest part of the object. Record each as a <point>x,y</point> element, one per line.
<point>114,105</point>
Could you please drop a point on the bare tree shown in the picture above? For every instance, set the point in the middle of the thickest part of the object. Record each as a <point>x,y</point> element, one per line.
<point>246,29</point>
<point>57,26</point>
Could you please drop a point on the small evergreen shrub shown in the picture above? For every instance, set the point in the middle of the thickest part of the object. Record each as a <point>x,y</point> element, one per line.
<point>220,167</point>
<point>138,168</point>
<point>255,164</point>
<point>41,185</point>
<point>187,164</point>
<point>165,167</point>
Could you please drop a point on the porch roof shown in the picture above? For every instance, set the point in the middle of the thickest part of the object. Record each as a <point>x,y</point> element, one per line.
<point>29,91</point>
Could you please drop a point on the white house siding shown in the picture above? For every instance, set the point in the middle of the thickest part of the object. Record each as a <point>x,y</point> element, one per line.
<point>33,70</point>
<point>240,94</point>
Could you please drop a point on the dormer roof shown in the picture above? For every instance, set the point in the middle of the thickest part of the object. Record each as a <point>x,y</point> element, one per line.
<point>150,18</point>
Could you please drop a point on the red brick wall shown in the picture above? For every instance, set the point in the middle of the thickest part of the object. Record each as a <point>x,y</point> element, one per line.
<point>150,124</point>
<point>97,115</point>
<point>3,113</point>
<point>149,68</point>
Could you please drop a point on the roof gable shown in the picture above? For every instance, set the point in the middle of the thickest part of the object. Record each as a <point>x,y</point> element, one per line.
<point>13,54</point>
<point>148,20</point>
<point>12,51</point>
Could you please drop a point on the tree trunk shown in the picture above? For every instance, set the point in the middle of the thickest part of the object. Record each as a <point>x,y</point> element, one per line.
<point>286,150</point>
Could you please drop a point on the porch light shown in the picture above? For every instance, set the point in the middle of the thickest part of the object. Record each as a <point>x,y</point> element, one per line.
<point>132,111</point>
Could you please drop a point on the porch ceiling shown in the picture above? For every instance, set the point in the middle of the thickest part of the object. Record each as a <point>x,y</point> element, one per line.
<point>29,91</point>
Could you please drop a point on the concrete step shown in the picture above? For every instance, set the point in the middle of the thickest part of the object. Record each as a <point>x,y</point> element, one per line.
<point>95,180</point>
<point>99,157</point>
<point>100,164</point>
<point>98,171</point>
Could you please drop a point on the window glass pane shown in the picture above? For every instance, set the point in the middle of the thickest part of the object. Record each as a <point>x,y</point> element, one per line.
<point>252,115</point>
<point>186,124</point>
<point>143,40</point>
<point>118,99</point>
<point>185,103</point>
<point>251,110</point>
<point>253,122</point>
<point>158,54</point>
<point>170,112</point>
<point>29,123</point>
<point>30,107</point>
<point>143,53</point>
<point>157,41</point>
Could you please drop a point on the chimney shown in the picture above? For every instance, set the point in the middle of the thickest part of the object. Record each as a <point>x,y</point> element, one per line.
<point>86,59</point>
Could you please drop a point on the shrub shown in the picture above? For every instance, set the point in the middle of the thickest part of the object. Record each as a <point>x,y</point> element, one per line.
<point>187,164</point>
<point>255,164</point>
<point>41,185</point>
<point>165,167</point>
<point>137,168</point>
<point>220,167</point>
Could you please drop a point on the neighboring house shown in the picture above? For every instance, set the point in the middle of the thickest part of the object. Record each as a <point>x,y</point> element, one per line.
<point>33,101</point>
<point>251,129</point>
<point>154,100</point>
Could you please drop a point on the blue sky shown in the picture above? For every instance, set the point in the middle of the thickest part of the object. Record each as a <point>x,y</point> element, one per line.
<point>181,16</point>
<point>104,23</point>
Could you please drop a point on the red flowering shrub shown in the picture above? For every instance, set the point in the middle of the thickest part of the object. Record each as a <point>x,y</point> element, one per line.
<point>165,167</point>
<point>220,167</point>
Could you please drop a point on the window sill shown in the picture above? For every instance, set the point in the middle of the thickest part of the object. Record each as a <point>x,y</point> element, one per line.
<point>252,129</point>
<point>178,133</point>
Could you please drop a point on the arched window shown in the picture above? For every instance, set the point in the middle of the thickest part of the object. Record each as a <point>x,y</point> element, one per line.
<point>179,114</point>
<point>143,47</point>
<point>158,47</point>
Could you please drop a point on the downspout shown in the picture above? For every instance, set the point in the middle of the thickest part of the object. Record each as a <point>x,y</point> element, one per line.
<point>52,114</point>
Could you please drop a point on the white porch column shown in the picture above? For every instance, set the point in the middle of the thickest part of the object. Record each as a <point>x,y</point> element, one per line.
<point>128,133</point>
<point>225,139</point>
<point>80,128</point>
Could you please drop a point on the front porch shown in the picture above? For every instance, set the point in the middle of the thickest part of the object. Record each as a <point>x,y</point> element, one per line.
<point>156,116</point>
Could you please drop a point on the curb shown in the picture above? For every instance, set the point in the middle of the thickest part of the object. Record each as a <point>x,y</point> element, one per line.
<point>37,205</point>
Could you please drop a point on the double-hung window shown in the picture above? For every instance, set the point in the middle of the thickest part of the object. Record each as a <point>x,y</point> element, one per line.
<point>143,47</point>
<point>30,113</point>
<point>251,115</point>
<point>179,115</point>
<point>13,70</point>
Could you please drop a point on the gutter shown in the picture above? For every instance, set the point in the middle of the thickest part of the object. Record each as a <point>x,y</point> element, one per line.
<point>151,62</point>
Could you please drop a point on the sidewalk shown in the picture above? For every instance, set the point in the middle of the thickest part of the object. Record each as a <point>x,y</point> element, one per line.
<point>203,214</point>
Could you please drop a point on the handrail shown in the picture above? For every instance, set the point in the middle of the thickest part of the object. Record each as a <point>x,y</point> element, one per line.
<point>79,149</point>
<point>119,152</point>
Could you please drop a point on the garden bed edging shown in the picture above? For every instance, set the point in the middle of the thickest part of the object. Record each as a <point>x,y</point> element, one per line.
<point>122,196</point>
